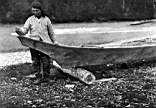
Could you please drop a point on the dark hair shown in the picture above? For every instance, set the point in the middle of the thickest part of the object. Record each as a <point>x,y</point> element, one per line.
<point>38,5</point>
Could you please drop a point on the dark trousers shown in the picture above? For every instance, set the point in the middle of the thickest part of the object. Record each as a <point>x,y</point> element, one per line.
<point>41,62</point>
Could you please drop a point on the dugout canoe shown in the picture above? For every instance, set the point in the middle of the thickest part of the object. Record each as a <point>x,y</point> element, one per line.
<point>73,56</point>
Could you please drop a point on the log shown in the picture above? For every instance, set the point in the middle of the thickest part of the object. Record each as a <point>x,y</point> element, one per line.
<point>81,74</point>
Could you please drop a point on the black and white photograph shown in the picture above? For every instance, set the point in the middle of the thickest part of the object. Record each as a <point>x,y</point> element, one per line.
<point>77,53</point>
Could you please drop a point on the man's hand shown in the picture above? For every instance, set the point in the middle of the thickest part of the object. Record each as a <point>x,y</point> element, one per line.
<point>19,31</point>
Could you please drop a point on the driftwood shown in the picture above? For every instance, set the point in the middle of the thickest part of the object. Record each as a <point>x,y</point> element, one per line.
<point>83,75</point>
<point>144,22</point>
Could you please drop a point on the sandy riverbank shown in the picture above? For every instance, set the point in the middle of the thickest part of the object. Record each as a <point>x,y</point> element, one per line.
<point>14,58</point>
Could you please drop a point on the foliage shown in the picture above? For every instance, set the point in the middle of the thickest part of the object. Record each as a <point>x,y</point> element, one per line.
<point>79,10</point>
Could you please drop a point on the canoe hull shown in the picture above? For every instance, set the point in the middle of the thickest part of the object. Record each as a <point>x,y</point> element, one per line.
<point>68,56</point>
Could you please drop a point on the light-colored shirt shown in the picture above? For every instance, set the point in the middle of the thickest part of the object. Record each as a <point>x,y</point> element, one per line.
<point>39,29</point>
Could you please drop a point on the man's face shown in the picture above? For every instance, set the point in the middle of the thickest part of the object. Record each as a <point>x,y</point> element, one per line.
<point>36,12</point>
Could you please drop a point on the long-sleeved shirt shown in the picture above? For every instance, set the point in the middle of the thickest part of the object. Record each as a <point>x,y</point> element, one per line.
<point>40,29</point>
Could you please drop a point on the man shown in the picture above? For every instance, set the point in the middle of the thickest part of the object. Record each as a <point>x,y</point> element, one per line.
<point>40,28</point>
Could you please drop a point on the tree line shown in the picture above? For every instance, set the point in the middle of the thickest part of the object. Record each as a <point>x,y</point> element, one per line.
<point>62,11</point>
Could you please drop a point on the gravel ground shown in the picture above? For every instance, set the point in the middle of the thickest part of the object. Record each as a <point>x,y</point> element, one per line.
<point>134,88</point>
